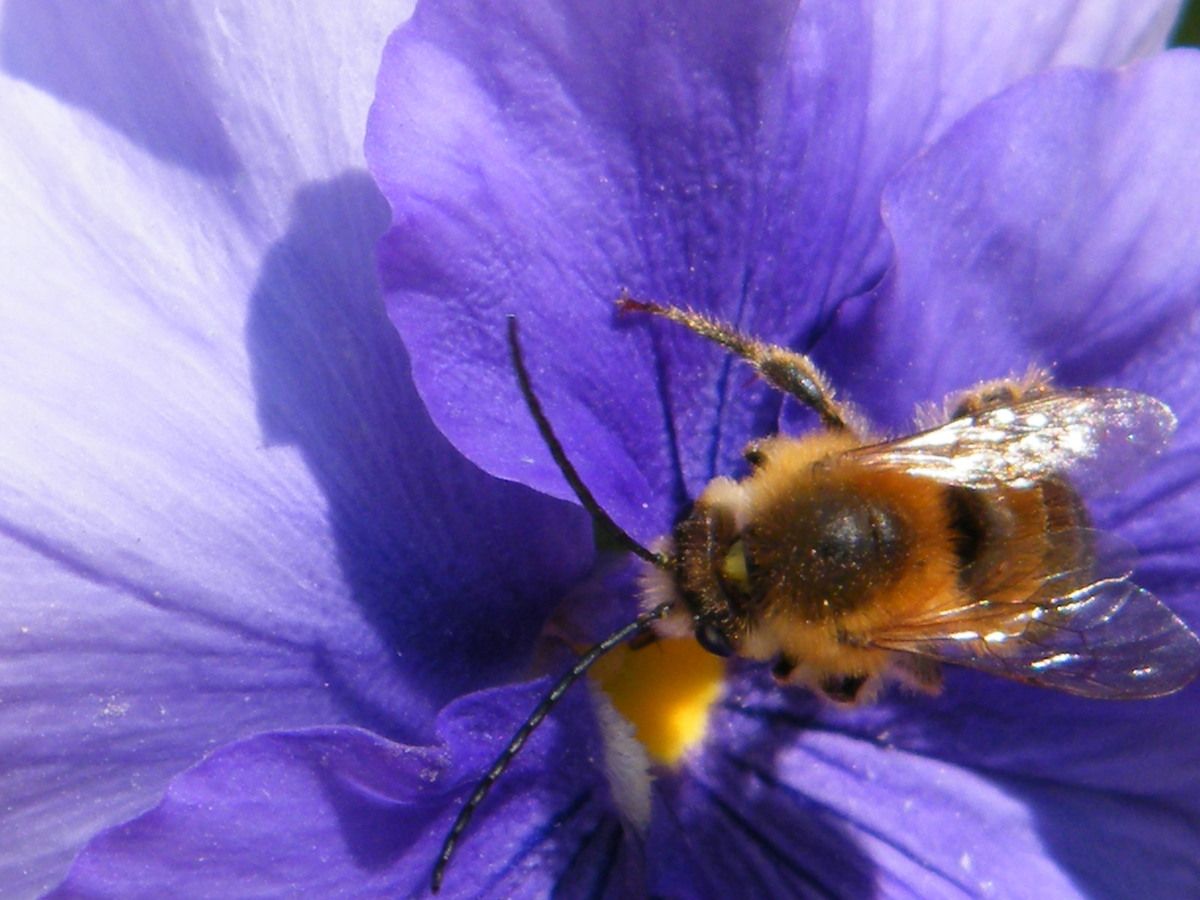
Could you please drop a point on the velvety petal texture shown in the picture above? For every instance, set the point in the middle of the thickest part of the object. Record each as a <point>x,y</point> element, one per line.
<point>990,788</point>
<point>342,812</point>
<point>223,508</point>
<point>542,158</point>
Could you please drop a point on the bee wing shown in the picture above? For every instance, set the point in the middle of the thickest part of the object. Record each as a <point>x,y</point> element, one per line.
<point>1105,637</point>
<point>1093,434</point>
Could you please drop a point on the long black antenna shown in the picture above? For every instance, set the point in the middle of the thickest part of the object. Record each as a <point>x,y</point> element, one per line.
<point>636,627</point>
<point>605,521</point>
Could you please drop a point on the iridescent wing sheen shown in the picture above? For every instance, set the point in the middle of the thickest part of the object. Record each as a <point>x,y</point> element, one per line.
<point>1094,435</point>
<point>1090,631</point>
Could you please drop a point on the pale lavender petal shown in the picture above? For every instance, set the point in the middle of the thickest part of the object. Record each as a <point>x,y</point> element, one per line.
<point>222,506</point>
<point>96,55</point>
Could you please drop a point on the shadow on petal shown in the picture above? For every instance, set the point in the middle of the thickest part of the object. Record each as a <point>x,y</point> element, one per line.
<point>374,829</point>
<point>1150,844</point>
<point>139,67</point>
<point>455,570</point>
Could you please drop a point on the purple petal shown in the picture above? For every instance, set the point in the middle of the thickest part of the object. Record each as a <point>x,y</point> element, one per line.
<point>343,812</point>
<point>936,798</point>
<point>1055,225</point>
<point>224,507</point>
<point>540,159</point>
<point>1137,750</point>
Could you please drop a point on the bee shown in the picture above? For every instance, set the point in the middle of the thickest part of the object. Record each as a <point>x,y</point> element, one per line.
<point>845,560</point>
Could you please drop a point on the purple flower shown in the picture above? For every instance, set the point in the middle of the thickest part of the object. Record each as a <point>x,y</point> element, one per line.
<point>228,514</point>
<point>876,184</point>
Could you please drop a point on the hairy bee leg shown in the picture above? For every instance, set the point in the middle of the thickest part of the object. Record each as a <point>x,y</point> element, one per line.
<point>1000,392</point>
<point>918,673</point>
<point>843,688</point>
<point>754,455</point>
<point>783,669</point>
<point>792,373</point>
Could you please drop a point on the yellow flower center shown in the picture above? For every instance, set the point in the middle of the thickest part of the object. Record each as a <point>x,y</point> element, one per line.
<point>665,691</point>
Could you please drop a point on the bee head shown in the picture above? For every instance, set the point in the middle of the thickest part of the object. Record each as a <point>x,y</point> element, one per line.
<point>712,572</point>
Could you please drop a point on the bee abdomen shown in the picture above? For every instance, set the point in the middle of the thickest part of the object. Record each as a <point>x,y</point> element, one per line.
<point>968,519</point>
<point>1006,540</point>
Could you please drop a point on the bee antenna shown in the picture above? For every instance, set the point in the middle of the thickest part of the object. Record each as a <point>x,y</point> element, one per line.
<point>603,519</point>
<point>631,629</point>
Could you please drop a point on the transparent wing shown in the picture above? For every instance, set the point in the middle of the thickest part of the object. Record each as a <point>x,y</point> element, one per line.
<point>1092,434</point>
<point>1088,631</point>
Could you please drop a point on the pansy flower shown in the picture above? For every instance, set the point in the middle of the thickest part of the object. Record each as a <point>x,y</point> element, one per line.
<point>877,184</point>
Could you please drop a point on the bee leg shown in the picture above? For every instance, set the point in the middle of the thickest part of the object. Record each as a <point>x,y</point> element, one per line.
<point>843,688</point>
<point>920,674</point>
<point>1001,392</point>
<point>754,454</point>
<point>792,373</point>
<point>783,668</point>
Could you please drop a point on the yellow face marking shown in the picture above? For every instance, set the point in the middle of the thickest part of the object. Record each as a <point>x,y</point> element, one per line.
<point>734,567</point>
<point>665,691</point>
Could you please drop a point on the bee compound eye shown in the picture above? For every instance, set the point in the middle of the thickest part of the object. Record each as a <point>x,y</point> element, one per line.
<point>713,639</point>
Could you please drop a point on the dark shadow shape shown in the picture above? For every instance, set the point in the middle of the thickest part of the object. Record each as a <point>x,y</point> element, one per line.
<point>140,67</point>
<point>1087,832</point>
<point>375,830</point>
<point>450,566</point>
<point>1084,826</point>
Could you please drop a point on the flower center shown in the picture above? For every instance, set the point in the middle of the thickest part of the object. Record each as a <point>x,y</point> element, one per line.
<point>665,691</point>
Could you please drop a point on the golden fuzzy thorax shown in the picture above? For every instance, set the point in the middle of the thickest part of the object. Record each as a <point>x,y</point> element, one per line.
<point>813,556</point>
<point>824,623</point>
